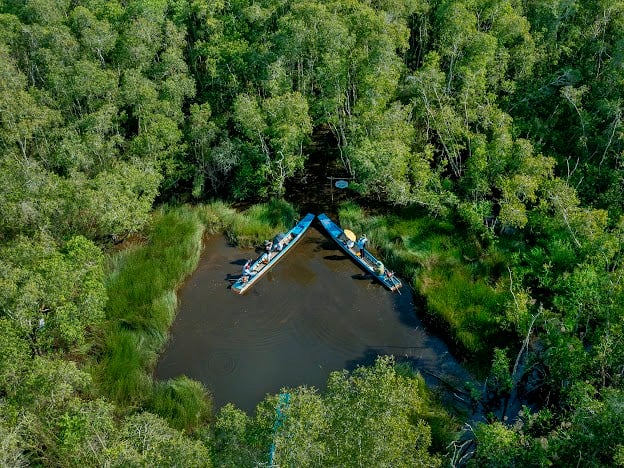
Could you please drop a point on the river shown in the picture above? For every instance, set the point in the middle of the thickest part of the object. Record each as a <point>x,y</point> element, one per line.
<point>313,313</point>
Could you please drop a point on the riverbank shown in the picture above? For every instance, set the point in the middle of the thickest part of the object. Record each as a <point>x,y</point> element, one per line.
<point>141,285</point>
<point>461,281</point>
<point>142,282</point>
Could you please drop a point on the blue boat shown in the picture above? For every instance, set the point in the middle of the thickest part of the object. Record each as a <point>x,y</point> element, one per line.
<point>368,262</point>
<point>267,260</point>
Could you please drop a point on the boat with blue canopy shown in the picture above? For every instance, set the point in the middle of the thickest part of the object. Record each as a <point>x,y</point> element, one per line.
<point>282,243</point>
<point>367,261</point>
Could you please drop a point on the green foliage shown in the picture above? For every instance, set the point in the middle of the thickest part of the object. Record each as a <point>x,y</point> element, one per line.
<point>159,445</point>
<point>15,356</point>
<point>380,436</point>
<point>281,69</point>
<point>571,104</point>
<point>372,416</point>
<point>54,296</point>
<point>215,216</point>
<point>278,126</point>
<point>502,446</point>
<point>302,439</point>
<point>51,423</point>
<point>236,439</point>
<point>172,251</point>
<point>590,435</point>
<point>142,303</point>
<point>92,99</point>
<point>118,201</point>
<point>11,442</point>
<point>259,222</point>
<point>183,402</point>
<point>500,380</point>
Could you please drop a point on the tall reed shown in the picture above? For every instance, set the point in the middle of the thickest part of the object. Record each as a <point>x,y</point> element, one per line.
<point>142,303</point>
<point>183,401</point>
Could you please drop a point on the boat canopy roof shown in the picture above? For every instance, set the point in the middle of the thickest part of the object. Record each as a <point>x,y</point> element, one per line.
<point>278,237</point>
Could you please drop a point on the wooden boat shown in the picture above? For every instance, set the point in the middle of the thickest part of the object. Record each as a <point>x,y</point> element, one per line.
<point>264,264</point>
<point>368,262</point>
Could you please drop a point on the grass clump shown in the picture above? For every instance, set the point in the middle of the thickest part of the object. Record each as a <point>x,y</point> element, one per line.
<point>184,402</point>
<point>260,222</point>
<point>146,273</point>
<point>120,372</point>
<point>468,306</point>
<point>217,216</point>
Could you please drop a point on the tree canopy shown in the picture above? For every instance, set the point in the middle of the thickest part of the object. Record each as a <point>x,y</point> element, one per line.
<point>500,117</point>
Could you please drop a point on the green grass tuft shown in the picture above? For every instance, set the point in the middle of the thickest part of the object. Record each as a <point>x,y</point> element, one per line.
<point>184,402</point>
<point>121,370</point>
<point>216,216</point>
<point>260,222</point>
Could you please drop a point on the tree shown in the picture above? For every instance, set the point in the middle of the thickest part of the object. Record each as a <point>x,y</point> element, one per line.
<point>150,441</point>
<point>53,296</point>
<point>368,417</point>
<point>24,119</point>
<point>374,418</point>
<point>278,126</point>
<point>572,103</point>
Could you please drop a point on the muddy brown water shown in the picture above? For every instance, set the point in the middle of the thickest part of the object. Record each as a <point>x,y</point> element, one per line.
<point>313,313</point>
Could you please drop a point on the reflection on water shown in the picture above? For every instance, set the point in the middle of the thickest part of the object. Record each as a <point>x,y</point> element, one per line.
<point>313,313</point>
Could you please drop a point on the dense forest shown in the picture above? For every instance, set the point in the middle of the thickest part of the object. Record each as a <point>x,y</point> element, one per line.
<point>491,131</point>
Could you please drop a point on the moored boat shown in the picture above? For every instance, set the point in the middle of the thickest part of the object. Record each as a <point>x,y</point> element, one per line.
<point>368,262</point>
<point>264,263</point>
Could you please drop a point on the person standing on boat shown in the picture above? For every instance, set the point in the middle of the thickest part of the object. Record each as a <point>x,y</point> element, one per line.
<point>247,273</point>
<point>268,246</point>
<point>278,242</point>
<point>361,243</point>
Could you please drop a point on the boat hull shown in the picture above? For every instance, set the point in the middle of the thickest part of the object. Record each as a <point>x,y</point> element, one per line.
<point>259,268</point>
<point>367,263</point>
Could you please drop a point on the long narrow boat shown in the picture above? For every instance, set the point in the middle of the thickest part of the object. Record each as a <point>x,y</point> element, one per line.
<point>262,264</point>
<point>368,262</point>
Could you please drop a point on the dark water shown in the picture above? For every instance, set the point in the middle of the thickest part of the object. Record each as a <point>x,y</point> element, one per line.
<point>313,313</point>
